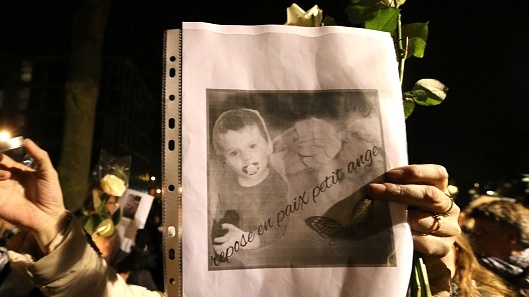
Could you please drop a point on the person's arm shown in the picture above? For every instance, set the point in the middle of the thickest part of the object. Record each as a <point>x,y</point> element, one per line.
<point>54,252</point>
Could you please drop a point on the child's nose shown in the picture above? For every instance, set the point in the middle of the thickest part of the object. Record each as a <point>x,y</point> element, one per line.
<point>245,155</point>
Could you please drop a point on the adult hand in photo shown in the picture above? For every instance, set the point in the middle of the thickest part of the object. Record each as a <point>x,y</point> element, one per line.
<point>236,239</point>
<point>432,213</point>
<point>307,145</point>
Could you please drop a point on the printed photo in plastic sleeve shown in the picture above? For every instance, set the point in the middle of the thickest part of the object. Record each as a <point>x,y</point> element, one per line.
<point>287,172</point>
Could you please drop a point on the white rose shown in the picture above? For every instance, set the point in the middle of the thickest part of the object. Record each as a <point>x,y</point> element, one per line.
<point>113,185</point>
<point>298,17</point>
<point>393,3</point>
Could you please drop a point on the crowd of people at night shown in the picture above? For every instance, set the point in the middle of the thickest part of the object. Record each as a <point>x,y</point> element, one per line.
<point>484,243</point>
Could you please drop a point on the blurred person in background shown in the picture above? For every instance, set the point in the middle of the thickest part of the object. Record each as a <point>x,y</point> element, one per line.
<point>12,284</point>
<point>499,232</point>
<point>465,220</point>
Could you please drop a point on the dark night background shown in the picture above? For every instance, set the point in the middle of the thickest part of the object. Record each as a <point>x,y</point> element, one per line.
<point>478,49</point>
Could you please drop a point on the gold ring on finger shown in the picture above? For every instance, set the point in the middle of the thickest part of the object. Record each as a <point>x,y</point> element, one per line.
<point>446,212</point>
<point>436,222</point>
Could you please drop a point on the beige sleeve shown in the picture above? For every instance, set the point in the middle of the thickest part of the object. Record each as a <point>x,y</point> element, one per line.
<point>72,268</point>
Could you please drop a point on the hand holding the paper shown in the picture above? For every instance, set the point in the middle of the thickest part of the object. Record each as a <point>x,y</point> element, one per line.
<point>432,214</point>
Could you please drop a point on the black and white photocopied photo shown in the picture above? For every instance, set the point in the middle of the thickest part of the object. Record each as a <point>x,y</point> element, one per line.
<point>285,178</point>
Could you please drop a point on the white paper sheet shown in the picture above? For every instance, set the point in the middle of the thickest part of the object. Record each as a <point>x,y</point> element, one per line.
<point>331,104</point>
<point>135,207</point>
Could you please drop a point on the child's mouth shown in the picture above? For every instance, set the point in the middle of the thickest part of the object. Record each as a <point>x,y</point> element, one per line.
<point>251,169</point>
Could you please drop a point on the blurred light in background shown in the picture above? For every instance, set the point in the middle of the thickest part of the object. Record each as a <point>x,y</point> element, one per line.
<point>4,135</point>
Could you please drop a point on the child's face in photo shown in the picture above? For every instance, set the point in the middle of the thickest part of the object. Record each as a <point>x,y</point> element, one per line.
<point>246,152</point>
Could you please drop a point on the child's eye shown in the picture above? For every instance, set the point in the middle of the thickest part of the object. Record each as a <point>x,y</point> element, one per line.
<point>253,145</point>
<point>233,154</point>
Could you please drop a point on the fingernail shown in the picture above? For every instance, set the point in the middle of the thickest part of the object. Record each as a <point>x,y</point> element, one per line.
<point>377,189</point>
<point>395,174</point>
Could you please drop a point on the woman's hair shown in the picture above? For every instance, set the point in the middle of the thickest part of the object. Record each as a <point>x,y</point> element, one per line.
<point>473,279</point>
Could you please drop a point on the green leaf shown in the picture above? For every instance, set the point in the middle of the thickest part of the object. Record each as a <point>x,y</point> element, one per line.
<point>416,34</point>
<point>416,47</point>
<point>419,30</point>
<point>91,223</point>
<point>101,209</point>
<point>428,92</point>
<point>413,95</point>
<point>385,20</point>
<point>359,11</point>
<point>409,106</point>
<point>359,14</point>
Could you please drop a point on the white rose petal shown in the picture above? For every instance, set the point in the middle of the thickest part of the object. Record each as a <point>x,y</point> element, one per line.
<point>298,17</point>
<point>113,185</point>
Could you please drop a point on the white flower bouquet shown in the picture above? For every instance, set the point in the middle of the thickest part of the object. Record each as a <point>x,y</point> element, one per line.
<point>110,178</point>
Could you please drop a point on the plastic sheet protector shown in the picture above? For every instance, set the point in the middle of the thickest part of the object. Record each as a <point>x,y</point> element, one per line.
<point>271,135</point>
